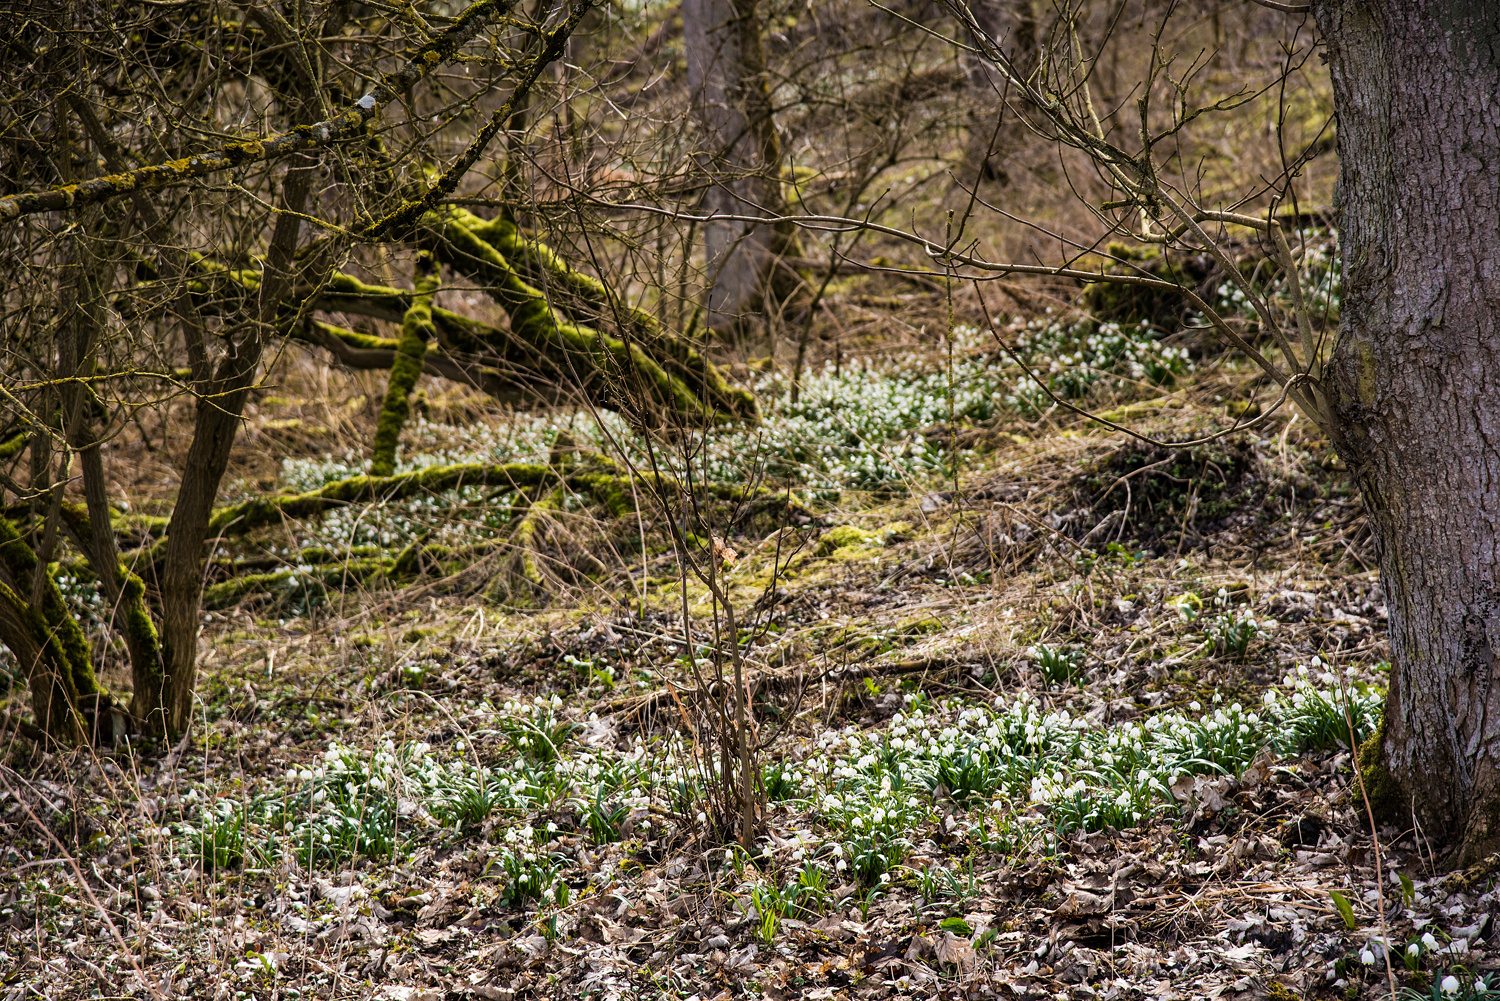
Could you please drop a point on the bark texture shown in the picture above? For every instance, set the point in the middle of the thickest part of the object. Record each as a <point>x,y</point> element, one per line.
<point>166,703</point>
<point>726,64</point>
<point>1011,25</point>
<point>1415,376</point>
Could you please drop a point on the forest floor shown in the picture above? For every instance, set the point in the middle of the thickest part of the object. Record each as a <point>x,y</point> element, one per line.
<point>999,757</point>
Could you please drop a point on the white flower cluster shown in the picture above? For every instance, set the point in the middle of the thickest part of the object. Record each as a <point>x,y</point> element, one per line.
<point>994,757</point>
<point>535,729</point>
<point>875,826</point>
<point>1072,357</point>
<point>530,876</point>
<point>82,596</point>
<point>1319,273</point>
<point>369,802</point>
<point>1322,707</point>
<point>344,807</point>
<point>850,427</point>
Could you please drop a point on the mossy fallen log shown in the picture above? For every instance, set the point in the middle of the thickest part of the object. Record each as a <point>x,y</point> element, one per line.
<point>545,355</point>
<point>598,479</point>
<point>257,512</point>
<point>544,490</point>
<point>542,357</point>
<point>656,380</point>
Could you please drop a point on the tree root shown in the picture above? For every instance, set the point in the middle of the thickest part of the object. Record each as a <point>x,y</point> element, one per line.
<point>520,580</point>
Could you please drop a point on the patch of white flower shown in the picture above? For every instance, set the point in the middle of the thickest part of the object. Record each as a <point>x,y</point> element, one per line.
<point>1319,274</point>
<point>1016,755</point>
<point>1073,357</point>
<point>850,427</point>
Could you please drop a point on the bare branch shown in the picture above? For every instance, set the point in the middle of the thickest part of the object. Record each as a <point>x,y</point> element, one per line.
<point>1285,8</point>
<point>306,137</point>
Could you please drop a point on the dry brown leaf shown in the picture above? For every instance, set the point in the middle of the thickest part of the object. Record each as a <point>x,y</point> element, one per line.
<point>1082,903</point>
<point>956,951</point>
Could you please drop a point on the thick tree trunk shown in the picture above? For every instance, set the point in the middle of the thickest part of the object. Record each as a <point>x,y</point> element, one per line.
<point>727,79</point>
<point>1415,376</point>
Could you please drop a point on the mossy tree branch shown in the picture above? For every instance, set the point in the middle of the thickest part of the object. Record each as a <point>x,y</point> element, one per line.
<point>258,512</point>
<point>416,330</point>
<point>351,124</point>
<point>546,356</point>
<point>596,481</point>
<point>46,638</point>
<point>626,376</point>
<point>369,352</point>
<point>548,269</point>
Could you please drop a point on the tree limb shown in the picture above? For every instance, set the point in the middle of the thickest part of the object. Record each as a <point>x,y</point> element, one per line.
<point>306,137</point>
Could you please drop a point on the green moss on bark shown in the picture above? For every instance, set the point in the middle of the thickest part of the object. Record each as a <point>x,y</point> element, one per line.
<point>1387,799</point>
<point>633,380</point>
<point>54,700</point>
<point>548,340</point>
<point>236,519</point>
<point>60,625</point>
<point>12,446</point>
<point>134,619</point>
<point>48,640</point>
<point>416,331</point>
<point>545,267</point>
<point>141,638</point>
<point>362,342</point>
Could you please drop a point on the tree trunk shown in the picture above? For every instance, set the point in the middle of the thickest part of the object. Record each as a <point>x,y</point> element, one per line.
<point>411,352</point>
<point>167,703</point>
<point>1012,25</point>
<point>45,640</point>
<point>727,80</point>
<point>1414,377</point>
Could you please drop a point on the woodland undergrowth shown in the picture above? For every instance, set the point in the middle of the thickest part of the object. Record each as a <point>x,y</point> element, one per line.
<point>1034,707</point>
